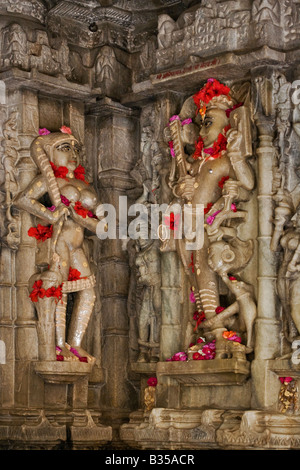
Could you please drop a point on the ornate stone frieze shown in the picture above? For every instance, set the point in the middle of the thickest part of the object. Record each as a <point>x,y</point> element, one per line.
<point>34,9</point>
<point>212,28</point>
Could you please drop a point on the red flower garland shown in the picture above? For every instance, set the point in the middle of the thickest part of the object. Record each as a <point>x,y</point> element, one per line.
<point>41,232</point>
<point>79,173</point>
<point>80,209</point>
<point>217,147</point>
<point>38,292</point>
<point>222,181</point>
<point>198,148</point>
<point>60,171</point>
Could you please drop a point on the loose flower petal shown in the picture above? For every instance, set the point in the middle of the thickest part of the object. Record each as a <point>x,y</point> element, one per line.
<point>65,130</point>
<point>44,131</point>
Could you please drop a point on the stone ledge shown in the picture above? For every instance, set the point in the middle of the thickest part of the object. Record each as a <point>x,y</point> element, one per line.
<point>211,372</point>
<point>144,368</point>
<point>285,368</point>
<point>60,372</point>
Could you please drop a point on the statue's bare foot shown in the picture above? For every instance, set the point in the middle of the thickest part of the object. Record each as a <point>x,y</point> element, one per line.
<point>81,354</point>
<point>67,354</point>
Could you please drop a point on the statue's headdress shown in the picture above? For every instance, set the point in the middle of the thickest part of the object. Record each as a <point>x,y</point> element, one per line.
<point>42,145</point>
<point>213,95</point>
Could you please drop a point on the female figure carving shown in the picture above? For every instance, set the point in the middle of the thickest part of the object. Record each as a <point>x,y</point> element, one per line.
<point>70,211</point>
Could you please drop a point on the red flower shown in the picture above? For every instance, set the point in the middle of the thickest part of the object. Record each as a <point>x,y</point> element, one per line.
<point>208,207</point>
<point>41,232</point>
<point>74,274</point>
<point>60,171</point>
<point>80,209</point>
<point>210,90</point>
<point>172,221</point>
<point>83,359</point>
<point>152,382</point>
<point>54,292</point>
<point>79,173</point>
<point>59,357</point>
<point>198,148</point>
<point>219,309</point>
<point>222,181</point>
<point>226,129</point>
<point>197,356</point>
<point>92,215</point>
<point>229,110</point>
<point>65,200</point>
<point>37,291</point>
<point>171,146</point>
<point>199,318</point>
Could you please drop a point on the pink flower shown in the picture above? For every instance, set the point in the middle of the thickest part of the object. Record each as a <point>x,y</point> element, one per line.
<point>44,131</point>
<point>52,208</point>
<point>192,297</point>
<point>152,382</point>
<point>174,118</point>
<point>186,121</point>
<point>231,336</point>
<point>65,130</point>
<point>180,356</point>
<point>233,207</point>
<point>212,217</point>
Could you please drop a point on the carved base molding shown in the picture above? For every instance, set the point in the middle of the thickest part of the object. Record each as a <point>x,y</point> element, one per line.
<point>173,429</point>
<point>39,430</point>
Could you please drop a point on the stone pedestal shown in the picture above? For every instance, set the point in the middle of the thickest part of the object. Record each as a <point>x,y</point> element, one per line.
<point>63,420</point>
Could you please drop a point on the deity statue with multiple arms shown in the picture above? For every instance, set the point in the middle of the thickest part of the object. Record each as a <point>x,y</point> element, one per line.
<point>210,141</point>
<point>60,232</point>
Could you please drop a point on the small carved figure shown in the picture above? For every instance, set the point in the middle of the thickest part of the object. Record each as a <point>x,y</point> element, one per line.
<point>217,175</point>
<point>14,47</point>
<point>69,212</point>
<point>149,277</point>
<point>105,65</point>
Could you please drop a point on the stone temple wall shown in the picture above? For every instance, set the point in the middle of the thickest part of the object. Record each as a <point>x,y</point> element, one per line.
<point>115,72</point>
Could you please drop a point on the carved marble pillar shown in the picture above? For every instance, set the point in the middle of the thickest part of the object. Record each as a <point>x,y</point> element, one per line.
<point>267,324</point>
<point>116,132</point>
<point>18,320</point>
